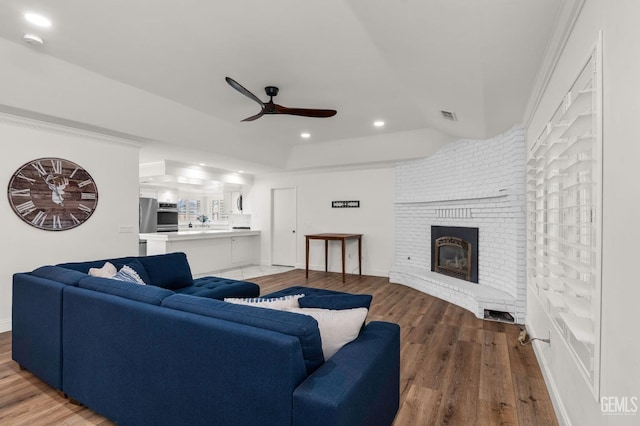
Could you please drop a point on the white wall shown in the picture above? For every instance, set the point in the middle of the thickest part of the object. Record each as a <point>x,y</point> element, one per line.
<point>114,167</point>
<point>620,347</point>
<point>373,187</point>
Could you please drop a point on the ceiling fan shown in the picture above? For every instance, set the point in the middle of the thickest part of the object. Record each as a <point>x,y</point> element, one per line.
<point>272,108</point>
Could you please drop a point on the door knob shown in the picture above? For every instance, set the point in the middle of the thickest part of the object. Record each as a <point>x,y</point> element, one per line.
<point>294,231</point>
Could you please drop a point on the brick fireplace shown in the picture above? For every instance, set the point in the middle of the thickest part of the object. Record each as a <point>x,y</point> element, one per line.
<point>473,184</point>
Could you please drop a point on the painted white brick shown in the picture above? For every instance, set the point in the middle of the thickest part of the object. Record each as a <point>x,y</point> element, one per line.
<point>467,183</point>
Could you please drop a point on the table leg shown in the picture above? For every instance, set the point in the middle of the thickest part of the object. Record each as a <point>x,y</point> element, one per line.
<point>326,255</point>
<point>360,255</point>
<point>307,254</point>
<point>343,274</point>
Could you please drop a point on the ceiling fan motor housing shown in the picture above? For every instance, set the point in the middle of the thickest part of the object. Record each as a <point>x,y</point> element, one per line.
<point>271,90</point>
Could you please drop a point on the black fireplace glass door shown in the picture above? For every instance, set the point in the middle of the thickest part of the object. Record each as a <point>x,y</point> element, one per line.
<point>470,235</point>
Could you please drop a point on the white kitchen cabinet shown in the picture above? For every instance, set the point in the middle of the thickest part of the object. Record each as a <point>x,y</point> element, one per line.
<point>208,251</point>
<point>243,250</point>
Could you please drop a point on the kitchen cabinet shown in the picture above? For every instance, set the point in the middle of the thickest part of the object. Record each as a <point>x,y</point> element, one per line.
<point>210,250</point>
<point>242,250</point>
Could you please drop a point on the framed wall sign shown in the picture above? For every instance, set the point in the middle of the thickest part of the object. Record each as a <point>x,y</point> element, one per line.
<point>345,204</point>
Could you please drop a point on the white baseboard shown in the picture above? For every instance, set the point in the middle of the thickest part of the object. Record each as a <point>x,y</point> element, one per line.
<point>5,325</point>
<point>373,272</point>
<point>556,400</point>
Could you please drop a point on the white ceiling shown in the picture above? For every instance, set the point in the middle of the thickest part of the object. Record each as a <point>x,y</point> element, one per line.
<point>154,69</point>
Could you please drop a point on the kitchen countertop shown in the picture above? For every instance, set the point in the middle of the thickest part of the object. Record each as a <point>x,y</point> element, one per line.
<point>198,234</point>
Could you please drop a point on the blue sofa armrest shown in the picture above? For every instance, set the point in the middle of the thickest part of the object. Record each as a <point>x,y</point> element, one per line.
<point>359,385</point>
<point>37,326</point>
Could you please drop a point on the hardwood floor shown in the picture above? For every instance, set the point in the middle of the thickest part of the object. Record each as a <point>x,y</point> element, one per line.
<point>455,368</point>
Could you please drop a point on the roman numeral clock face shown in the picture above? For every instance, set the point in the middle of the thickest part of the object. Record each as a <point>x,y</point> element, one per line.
<point>52,194</point>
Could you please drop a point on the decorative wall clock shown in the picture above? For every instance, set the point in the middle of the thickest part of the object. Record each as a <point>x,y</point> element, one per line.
<point>52,194</point>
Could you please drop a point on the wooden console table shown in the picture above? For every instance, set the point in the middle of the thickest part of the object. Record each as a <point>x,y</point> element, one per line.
<point>335,237</point>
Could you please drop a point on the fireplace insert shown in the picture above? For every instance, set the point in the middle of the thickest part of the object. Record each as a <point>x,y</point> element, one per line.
<point>454,252</point>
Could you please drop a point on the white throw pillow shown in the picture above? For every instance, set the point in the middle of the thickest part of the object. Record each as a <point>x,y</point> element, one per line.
<point>108,270</point>
<point>337,327</point>
<point>290,301</point>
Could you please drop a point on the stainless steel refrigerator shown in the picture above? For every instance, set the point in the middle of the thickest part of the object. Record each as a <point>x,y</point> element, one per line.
<point>148,215</point>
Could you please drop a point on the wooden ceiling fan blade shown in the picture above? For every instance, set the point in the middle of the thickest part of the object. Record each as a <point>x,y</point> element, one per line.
<point>254,117</point>
<point>272,108</point>
<point>244,91</point>
<point>305,112</point>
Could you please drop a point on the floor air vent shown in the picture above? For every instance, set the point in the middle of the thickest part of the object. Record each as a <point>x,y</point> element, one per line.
<point>498,316</point>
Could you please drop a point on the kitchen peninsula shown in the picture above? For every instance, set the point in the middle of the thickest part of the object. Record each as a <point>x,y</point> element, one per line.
<point>208,250</point>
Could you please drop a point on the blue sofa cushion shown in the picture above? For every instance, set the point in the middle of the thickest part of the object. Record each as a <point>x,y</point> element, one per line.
<point>169,270</point>
<point>307,291</point>
<point>336,301</point>
<point>304,327</point>
<point>141,293</point>
<point>62,275</point>
<point>219,288</point>
<point>85,266</point>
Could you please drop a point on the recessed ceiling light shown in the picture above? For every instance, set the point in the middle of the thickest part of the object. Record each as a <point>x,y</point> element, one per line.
<point>305,135</point>
<point>202,164</point>
<point>33,39</point>
<point>378,123</point>
<point>39,20</point>
<point>240,171</point>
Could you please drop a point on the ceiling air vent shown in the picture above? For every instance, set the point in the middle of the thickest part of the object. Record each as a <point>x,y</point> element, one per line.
<point>449,115</point>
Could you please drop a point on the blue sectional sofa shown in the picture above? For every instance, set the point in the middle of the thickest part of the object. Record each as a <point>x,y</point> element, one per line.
<point>153,354</point>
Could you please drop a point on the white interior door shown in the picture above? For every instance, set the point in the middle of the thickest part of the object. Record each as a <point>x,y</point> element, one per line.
<point>283,247</point>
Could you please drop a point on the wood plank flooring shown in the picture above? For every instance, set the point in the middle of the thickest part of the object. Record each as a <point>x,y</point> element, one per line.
<point>455,368</point>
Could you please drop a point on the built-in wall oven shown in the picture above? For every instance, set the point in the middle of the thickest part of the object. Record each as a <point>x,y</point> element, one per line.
<point>167,215</point>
